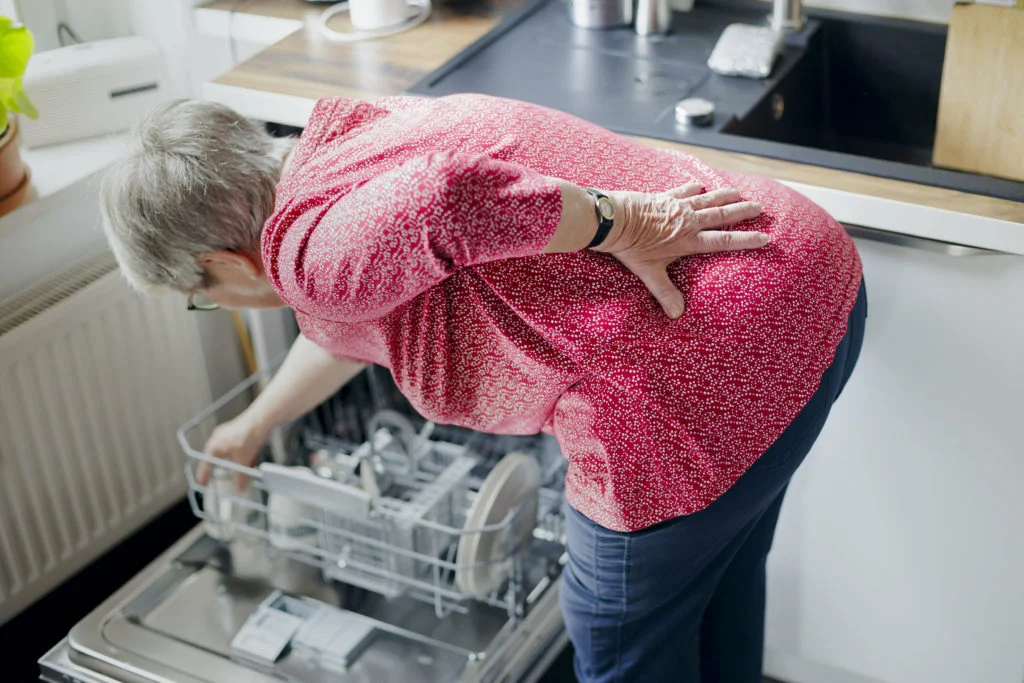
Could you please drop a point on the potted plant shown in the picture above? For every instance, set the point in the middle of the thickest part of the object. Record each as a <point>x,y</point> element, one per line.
<point>16,46</point>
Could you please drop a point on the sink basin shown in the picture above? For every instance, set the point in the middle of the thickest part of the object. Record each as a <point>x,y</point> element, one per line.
<point>867,88</point>
<point>850,92</point>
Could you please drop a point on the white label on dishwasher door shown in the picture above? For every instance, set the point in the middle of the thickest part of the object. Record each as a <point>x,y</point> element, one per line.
<point>266,634</point>
<point>335,636</point>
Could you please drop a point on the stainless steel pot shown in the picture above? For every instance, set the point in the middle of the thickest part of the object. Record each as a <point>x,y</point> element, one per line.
<point>653,17</point>
<point>601,13</point>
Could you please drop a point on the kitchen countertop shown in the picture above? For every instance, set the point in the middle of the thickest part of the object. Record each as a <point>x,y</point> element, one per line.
<point>308,65</point>
<point>281,83</point>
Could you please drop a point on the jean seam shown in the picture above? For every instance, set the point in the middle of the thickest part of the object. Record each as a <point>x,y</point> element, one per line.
<point>595,564</point>
<point>628,542</point>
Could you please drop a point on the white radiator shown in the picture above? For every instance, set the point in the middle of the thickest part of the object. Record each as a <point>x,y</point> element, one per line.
<point>94,381</point>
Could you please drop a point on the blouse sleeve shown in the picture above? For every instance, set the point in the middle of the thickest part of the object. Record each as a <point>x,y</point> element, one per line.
<point>397,235</point>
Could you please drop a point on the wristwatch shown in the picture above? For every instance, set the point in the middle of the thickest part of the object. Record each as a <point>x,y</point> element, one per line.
<point>605,216</point>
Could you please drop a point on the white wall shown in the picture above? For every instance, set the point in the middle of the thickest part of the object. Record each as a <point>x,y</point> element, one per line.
<point>90,19</point>
<point>166,22</point>
<point>169,24</point>
<point>924,10</point>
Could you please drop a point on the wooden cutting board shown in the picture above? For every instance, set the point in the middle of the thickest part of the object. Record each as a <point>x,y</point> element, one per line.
<point>981,103</point>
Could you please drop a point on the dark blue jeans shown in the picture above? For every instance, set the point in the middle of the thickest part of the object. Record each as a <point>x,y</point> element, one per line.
<point>683,601</point>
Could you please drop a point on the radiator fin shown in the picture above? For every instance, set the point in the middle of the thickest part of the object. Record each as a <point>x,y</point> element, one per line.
<point>94,381</point>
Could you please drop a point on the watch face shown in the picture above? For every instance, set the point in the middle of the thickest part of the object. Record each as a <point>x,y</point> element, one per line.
<point>607,209</point>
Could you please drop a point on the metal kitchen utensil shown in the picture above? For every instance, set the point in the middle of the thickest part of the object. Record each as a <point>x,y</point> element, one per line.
<point>787,15</point>
<point>653,17</point>
<point>601,13</point>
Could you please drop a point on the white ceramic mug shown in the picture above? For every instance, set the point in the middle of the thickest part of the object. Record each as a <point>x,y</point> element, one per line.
<point>289,523</point>
<point>370,15</point>
<point>226,507</point>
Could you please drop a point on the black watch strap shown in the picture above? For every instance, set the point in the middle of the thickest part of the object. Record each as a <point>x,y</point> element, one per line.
<point>604,225</point>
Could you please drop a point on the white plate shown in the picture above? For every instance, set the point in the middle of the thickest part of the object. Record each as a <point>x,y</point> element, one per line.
<point>514,480</point>
<point>469,543</point>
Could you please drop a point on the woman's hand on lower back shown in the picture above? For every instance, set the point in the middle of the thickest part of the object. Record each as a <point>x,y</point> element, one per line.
<point>653,230</point>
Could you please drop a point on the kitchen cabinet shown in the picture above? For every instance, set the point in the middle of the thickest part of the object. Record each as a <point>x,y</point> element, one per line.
<point>899,550</point>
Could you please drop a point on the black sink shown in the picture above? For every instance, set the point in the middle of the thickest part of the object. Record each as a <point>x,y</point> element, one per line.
<point>850,92</point>
<point>867,88</point>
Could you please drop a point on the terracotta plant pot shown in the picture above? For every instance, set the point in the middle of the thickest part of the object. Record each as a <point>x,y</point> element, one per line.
<point>14,174</point>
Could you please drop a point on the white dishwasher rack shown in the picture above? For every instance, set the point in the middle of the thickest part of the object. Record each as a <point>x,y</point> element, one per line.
<point>386,516</point>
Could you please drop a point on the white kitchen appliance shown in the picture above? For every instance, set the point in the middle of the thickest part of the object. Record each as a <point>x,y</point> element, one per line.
<point>92,89</point>
<point>446,569</point>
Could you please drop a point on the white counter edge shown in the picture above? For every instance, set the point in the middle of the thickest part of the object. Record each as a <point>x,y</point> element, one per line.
<point>261,105</point>
<point>847,207</point>
<point>916,219</point>
<point>240,26</point>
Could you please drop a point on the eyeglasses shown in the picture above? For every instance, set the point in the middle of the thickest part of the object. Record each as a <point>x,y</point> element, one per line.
<point>201,302</point>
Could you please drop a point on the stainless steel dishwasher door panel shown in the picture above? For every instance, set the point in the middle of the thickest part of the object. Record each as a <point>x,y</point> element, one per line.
<point>175,622</point>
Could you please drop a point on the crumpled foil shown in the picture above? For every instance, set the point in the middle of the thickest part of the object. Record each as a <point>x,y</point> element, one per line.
<point>745,50</point>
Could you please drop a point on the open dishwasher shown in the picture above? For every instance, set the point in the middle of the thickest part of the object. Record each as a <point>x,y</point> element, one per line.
<point>380,547</point>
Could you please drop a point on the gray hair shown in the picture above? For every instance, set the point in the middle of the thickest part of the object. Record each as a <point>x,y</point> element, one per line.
<point>199,177</point>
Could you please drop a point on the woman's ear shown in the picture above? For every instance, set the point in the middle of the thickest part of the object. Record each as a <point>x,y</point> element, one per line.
<point>229,266</point>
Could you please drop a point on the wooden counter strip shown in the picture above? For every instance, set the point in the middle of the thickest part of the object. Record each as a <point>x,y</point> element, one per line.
<point>886,188</point>
<point>305,64</point>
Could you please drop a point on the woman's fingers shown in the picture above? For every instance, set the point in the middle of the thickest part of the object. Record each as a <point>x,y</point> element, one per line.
<point>656,279</point>
<point>241,482</point>
<point>721,197</point>
<point>203,472</point>
<point>729,214</point>
<point>711,241</point>
<point>205,469</point>
<point>685,191</point>
<point>663,230</point>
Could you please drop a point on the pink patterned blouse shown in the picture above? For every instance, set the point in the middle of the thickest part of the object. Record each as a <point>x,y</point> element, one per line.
<point>407,232</point>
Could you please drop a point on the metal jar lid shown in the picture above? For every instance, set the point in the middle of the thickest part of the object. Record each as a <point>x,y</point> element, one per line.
<point>695,111</point>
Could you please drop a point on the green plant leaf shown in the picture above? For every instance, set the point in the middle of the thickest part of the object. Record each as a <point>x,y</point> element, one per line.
<point>21,103</point>
<point>5,23</point>
<point>13,97</point>
<point>7,91</point>
<point>3,120</point>
<point>16,46</point>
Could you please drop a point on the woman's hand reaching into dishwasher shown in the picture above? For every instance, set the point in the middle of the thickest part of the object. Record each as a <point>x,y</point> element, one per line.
<point>237,441</point>
<point>308,376</point>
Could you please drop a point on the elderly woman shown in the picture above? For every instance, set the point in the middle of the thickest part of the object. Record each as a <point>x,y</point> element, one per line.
<point>685,363</point>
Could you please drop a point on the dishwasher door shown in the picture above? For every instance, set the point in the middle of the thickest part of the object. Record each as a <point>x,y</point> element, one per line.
<point>175,621</point>
<point>898,554</point>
